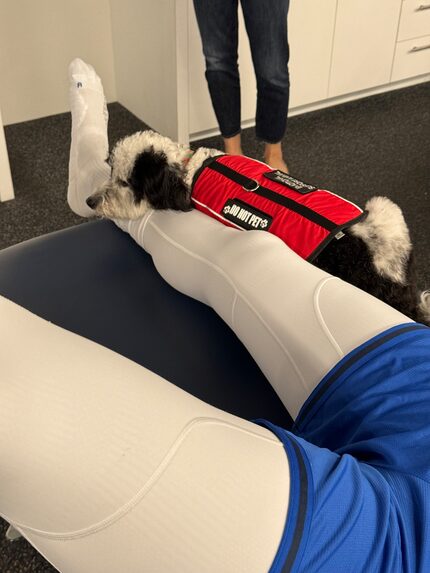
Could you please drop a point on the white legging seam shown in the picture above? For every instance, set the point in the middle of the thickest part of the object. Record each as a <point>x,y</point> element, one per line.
<point>149,484</point>
<point>124,225</point>
<point>320,317</point>
<point>233,308</point>
<point>194,255</point>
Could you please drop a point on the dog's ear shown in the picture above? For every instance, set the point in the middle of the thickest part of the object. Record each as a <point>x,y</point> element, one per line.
<point>159,183</point>
<point>174,194</point>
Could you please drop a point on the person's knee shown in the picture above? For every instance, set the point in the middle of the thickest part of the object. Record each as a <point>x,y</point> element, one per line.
<point>241,249</point>
<point>271,69</point>
<point>221,62</point>
<point>274,77</point>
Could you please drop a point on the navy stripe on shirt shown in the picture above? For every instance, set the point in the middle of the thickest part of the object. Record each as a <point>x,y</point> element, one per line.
<point>300,505</point>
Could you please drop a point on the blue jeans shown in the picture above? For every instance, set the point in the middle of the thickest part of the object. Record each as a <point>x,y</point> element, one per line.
<point>266,26</point>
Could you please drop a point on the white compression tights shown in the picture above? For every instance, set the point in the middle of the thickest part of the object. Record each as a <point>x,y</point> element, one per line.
<point>105,466</point>
<point>296,320</point>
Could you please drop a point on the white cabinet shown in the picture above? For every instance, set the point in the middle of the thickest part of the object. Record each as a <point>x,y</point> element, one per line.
<point>310,31</point>
<point>412,57</point>
<point>364,44</point>
<point>415,19</point>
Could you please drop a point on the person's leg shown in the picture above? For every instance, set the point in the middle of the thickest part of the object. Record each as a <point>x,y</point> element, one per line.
<point>218,25</point>
<point>107,467</point>
<point>89,147</point>
<point>179,503</point>
<point>233,145</point>
<point>296,320</point>
<point>274,156</point>
<point>267,31</point>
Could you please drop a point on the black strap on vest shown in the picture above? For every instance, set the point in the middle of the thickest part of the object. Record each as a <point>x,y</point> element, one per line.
<point>250,185</point>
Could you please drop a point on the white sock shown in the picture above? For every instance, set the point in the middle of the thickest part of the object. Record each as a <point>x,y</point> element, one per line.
<point>90,147</point>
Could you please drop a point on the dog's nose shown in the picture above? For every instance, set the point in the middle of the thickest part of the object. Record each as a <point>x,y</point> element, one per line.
<point>92,202</point>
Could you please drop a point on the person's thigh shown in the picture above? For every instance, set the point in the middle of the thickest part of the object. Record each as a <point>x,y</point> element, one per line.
<point>218,25</point>
<point>107,467</point>
<point>266,26</point>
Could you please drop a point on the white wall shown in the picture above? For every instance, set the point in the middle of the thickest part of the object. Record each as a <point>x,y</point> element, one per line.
<point>38,39</point>
<point>6,185</point>
<point>145,51</point>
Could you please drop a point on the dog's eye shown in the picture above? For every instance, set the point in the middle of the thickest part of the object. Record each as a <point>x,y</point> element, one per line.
<point>123,183</point>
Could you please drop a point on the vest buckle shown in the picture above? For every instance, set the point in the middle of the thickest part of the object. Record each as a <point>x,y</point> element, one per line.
<point>254,187</point>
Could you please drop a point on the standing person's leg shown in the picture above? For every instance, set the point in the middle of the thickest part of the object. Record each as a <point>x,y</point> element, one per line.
<point>218,25</point>
<point>266,25</point>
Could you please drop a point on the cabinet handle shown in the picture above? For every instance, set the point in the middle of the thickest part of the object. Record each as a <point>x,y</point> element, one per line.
<point>422,7</point>
<point>419,48</point>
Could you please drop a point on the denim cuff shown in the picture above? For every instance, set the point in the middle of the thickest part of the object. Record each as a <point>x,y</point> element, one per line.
<point>233,135</point>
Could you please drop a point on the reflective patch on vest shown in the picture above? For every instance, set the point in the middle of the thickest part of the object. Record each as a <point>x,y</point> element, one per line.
<point>291,182</point>
<point>246,216</point>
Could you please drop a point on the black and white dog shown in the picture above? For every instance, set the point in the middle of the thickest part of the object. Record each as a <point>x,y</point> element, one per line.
<point>150,171</point>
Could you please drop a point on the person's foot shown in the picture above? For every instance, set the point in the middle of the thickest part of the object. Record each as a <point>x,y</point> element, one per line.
<point>233,145</point>
<point>273,156</point>
<point>277,163</point>
<point>89,147</point>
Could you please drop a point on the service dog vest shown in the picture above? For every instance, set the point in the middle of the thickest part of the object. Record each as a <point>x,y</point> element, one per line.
<point>244,193</point>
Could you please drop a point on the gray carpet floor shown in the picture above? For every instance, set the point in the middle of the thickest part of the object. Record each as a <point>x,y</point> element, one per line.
<point>374,146</point>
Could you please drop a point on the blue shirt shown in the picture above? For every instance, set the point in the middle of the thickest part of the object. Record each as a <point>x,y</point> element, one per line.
<point>359,456</point>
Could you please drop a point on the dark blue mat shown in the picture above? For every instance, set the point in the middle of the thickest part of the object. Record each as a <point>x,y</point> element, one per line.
<point>94,280</point>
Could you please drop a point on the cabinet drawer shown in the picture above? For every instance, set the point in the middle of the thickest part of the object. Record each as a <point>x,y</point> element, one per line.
<point>412,58</point>
<point>415,19</point>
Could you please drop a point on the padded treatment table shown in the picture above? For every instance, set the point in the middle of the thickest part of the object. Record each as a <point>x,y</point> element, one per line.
<point>94,280</point>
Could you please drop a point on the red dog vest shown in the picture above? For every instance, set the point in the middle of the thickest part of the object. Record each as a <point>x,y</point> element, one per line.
<point>243,193</point>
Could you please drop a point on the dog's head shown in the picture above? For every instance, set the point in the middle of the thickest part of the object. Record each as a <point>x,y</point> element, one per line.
<point>147,173</point>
